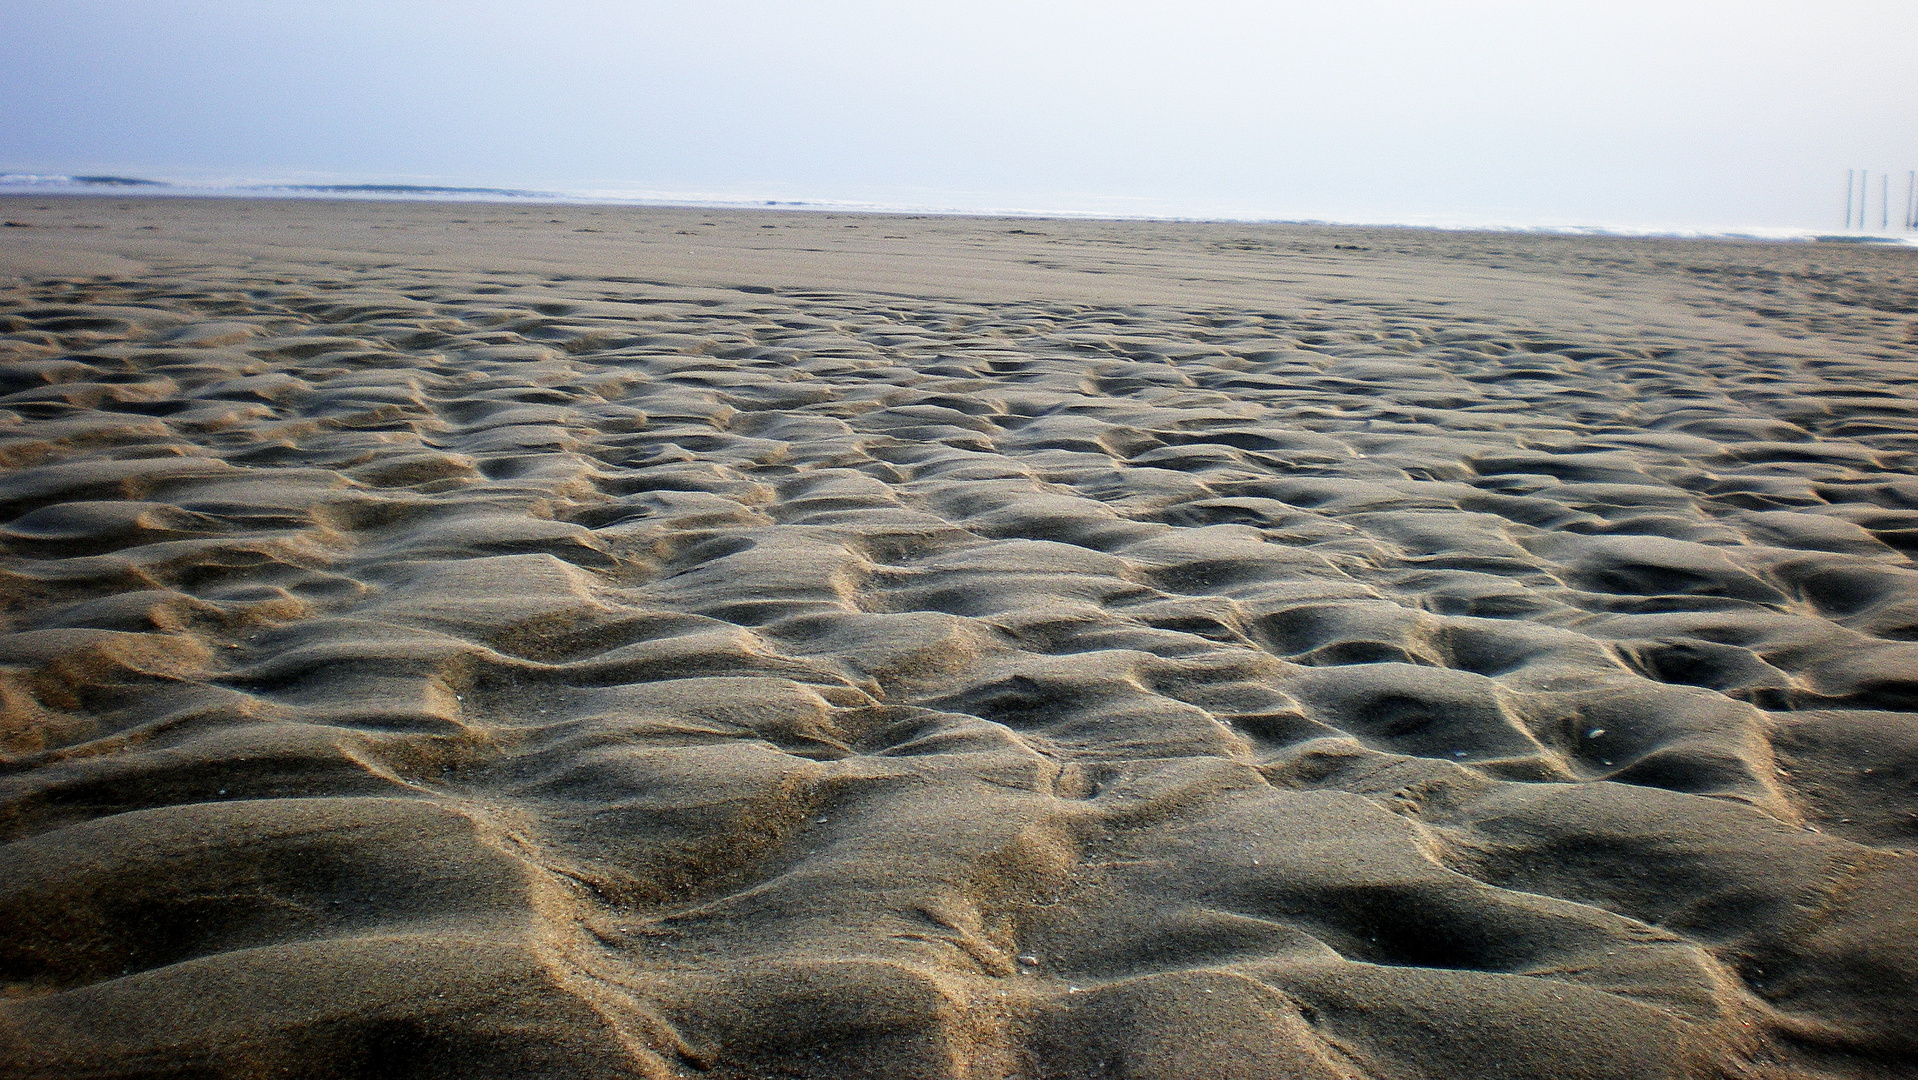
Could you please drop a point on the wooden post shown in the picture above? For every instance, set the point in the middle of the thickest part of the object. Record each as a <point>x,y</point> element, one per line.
<point>1884,202</point>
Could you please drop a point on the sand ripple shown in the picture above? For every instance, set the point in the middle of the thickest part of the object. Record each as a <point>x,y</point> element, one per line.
<point>414,675</point>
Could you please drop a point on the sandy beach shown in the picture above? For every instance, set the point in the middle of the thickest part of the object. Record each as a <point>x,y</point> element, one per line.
<point>550,641</point>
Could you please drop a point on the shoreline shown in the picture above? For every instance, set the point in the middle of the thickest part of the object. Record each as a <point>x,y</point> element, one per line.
<point>436,194</point>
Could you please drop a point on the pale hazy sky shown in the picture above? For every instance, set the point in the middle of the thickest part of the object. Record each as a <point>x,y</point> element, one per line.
<point>1624,112</point>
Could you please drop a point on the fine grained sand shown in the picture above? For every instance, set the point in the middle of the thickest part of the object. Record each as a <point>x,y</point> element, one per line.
<point>502,641</point>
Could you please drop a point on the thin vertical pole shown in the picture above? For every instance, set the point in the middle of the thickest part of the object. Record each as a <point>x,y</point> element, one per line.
<point>1851,181</point>
<point>1911,199</point>
<point>1884,202</point>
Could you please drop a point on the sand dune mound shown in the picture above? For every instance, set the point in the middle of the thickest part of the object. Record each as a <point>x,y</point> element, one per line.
<point>413,673</point>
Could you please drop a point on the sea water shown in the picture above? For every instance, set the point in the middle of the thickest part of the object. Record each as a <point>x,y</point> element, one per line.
<point>1095,208</point>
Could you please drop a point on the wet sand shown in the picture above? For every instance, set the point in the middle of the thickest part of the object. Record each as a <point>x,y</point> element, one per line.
<point>504,641</point>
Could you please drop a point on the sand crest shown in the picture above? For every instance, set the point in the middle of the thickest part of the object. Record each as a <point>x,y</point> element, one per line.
<point>458,640</point>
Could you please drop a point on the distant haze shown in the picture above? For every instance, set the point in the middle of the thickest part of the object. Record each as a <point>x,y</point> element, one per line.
<point>1671,113</point>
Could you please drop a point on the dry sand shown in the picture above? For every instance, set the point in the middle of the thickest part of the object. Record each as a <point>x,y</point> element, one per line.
<point>510,642</point>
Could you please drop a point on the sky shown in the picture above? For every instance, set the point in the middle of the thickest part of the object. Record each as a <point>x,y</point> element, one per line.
<point>1674,113</point>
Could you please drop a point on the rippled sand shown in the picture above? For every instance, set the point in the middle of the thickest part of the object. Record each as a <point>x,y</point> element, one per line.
<point>502,641</point>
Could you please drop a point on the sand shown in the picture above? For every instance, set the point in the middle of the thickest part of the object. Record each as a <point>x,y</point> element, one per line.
<point>481,641</point>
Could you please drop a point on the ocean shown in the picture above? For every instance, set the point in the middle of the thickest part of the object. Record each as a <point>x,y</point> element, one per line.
<point>1091,208</point>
